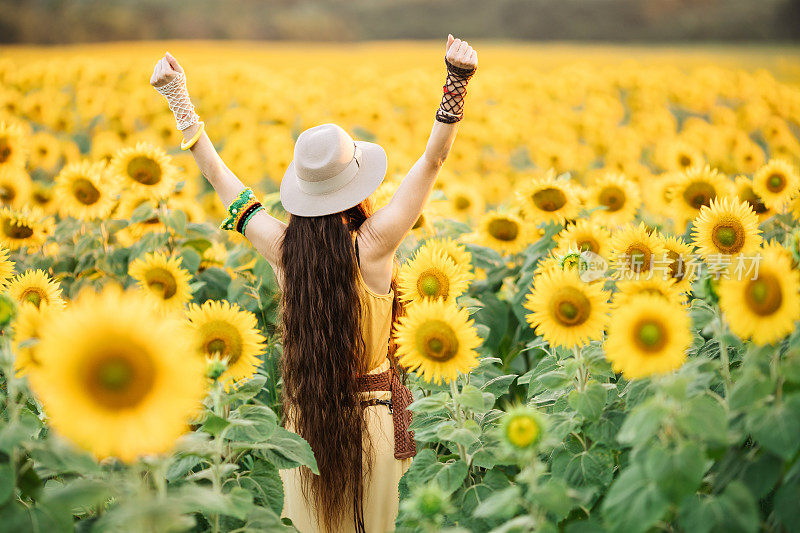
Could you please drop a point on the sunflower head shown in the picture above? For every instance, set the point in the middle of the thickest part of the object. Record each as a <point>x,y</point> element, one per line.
<point>437,339</point>
<point>776,183</point>
<point>728,226</point>
<point>432,275</point>
<point>505,232</point>
<point>648,335</point>
<point>163,279</point>
<point>145,168</point>
<point>227,333</point>
<point>762,300</point>
<point>109,368</point>
<point>565,310</point>
<point>35,287</point>
<point>636,250</point>
<point>522,427</point>
<point>547,199</point>
<point>619,198</point>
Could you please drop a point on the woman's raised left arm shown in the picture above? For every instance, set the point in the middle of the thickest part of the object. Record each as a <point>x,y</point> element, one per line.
<point>263,230</point>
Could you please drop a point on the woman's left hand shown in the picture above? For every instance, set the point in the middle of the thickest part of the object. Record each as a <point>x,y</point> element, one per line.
<point>166,70</point>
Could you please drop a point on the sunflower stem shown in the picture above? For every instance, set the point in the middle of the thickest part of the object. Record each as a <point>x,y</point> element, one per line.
<point>459,417</point>
<point>581,374</point>
<point>719,330</point>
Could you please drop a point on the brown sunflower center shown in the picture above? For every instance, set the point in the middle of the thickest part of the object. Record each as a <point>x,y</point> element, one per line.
<point>749,196</point>
<point>462,202</point>
<point>677,266</point>
<point>588,244</point>
<point>570,306</point>
<point>32,295</point>
<point>144,170</point>
<point>15,230</point>
<point>222,338</point>
<point>728,236</point>
<point>764,295</point>
<point>435,339</point>
<point>162,282</point>
<point>699,193</point>
<point>433,283</point>
<point>85,191</point>
<point>684,161</point>
<point>776,182</point>
<point>549,199</point>
<point>650,335</point>
<point>120,378</point>
<point>503,229</point>
<point>612,197</point>
<point>7,194</point>
<point>638,256</point>
<point>5,149</point>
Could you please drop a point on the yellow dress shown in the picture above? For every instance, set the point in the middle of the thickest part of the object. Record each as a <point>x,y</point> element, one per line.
<point>381,498</point>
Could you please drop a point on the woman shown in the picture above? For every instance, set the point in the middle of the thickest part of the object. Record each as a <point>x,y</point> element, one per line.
<point>335,265</point>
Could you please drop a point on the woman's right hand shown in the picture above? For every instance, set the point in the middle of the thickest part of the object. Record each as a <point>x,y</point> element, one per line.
<point>460,54</point>
<point>166,70</point>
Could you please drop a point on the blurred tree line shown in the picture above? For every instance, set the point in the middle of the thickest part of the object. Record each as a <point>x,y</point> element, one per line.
<point>66,21</point>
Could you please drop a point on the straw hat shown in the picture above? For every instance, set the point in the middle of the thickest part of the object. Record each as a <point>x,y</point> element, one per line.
<point>330,172</point>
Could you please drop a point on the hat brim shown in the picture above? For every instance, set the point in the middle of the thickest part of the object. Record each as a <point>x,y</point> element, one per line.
<point>370,175</point>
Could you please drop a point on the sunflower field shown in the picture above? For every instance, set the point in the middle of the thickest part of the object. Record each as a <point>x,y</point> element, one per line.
<point>602,293</point>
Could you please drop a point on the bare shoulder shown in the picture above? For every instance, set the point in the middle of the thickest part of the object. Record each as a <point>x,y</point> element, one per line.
<point>376,266</point>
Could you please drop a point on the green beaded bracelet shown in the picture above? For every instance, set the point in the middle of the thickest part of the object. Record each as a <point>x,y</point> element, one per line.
<point>247,219</point>
<point>245,195</point>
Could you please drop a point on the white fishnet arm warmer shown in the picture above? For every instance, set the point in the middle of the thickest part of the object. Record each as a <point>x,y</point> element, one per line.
<point>179,103</point>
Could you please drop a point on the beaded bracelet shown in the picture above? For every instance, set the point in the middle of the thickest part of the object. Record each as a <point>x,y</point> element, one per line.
<point>241,210</point>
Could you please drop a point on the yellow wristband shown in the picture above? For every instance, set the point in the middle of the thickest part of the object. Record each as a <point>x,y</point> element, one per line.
<point>185,145</point>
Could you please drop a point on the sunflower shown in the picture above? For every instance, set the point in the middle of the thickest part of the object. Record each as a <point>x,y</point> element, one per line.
<point>45,151</point>
<point>214,256</point>
<point>437,339</point>
<point>505,232</point>
<point>465,202</point>
<point>665,288</point>
<point>727,227</point>
<point>115,379</point>
<point>648,335</point>
<point>16,186</point>
<point>618,197</point>
<point>84,192</point>
<point>659,198</point>
<point>678,154</point>
<point>35,287</point>
<point>6,266</point>
<point>566,311</point>
<point>145,168</point>
<point>776,183</point>
<point>761,302</point>
<point>13,145</point>
<point>225,331</point>
<point>548,199</point>
<point>682,266</point>
<point>522,427</point>
<point>745,193</point>
<point>695,188</point>
<point>432,275</point>
<point>163,279</point>
<point>636,251</point>
<point>128,203</point>
<point>585,237</point>
<point>23,227</point>
<point>456,251</point>
<point>26,328</point>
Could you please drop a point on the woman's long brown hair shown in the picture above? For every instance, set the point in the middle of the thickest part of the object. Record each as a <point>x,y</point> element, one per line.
<point>323,353</point>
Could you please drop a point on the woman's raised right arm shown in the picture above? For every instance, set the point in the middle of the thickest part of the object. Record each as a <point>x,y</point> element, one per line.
<point>263,230</point>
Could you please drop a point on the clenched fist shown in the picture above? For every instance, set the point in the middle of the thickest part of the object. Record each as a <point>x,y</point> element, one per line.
<point>460,53</point>
<point>166,70</point>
